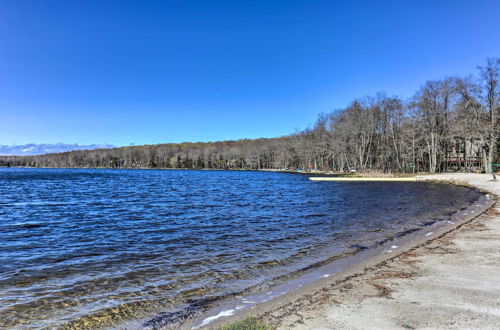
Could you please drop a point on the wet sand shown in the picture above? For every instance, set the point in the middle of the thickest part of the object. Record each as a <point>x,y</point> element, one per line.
<point>448,279</point>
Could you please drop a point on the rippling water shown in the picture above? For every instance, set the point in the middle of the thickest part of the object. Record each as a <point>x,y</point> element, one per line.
<point>94,248</point>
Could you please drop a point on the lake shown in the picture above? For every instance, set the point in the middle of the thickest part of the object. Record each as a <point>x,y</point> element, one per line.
<point>99,247</point>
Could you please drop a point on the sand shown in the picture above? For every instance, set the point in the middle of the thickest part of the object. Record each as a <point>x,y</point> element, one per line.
<point>450,282</point>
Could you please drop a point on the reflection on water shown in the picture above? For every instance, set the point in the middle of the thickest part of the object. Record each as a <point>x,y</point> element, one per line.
<point>94,248</point>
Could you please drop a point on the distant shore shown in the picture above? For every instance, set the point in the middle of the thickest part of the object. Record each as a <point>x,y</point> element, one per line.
<point>402,288</point>
<point>353,174</point>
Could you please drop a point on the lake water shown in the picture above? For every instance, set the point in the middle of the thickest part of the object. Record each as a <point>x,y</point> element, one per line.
<point>96,248</point>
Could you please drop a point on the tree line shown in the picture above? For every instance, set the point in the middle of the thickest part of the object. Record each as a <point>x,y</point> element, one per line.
<point>449,124</point>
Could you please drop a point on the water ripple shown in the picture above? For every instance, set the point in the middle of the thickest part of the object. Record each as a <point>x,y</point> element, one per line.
<point>93,248</point>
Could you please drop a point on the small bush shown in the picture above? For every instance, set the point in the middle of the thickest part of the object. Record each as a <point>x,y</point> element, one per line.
<point>249,323</point>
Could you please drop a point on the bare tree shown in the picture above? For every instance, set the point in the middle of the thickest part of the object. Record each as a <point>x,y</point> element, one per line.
<point>490,96</point>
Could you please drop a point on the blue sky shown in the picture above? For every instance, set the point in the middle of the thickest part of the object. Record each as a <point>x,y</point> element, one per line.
<point>147,72</point>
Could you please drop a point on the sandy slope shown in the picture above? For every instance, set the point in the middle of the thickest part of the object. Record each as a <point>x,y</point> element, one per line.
<point>452,282</point>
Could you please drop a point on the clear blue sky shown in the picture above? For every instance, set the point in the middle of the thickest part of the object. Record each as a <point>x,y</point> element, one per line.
<point>146,72</point>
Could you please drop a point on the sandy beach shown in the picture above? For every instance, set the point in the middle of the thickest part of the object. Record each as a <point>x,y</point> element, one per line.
<point>449,280</point>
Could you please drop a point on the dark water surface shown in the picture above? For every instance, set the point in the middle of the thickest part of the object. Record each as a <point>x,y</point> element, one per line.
<point>96,248</point>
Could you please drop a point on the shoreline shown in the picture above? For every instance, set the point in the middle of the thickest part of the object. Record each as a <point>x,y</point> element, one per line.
<point>214,313</point>
<point>302,297</point>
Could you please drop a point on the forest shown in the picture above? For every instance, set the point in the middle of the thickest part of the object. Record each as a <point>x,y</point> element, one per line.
<point>451,124</point>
